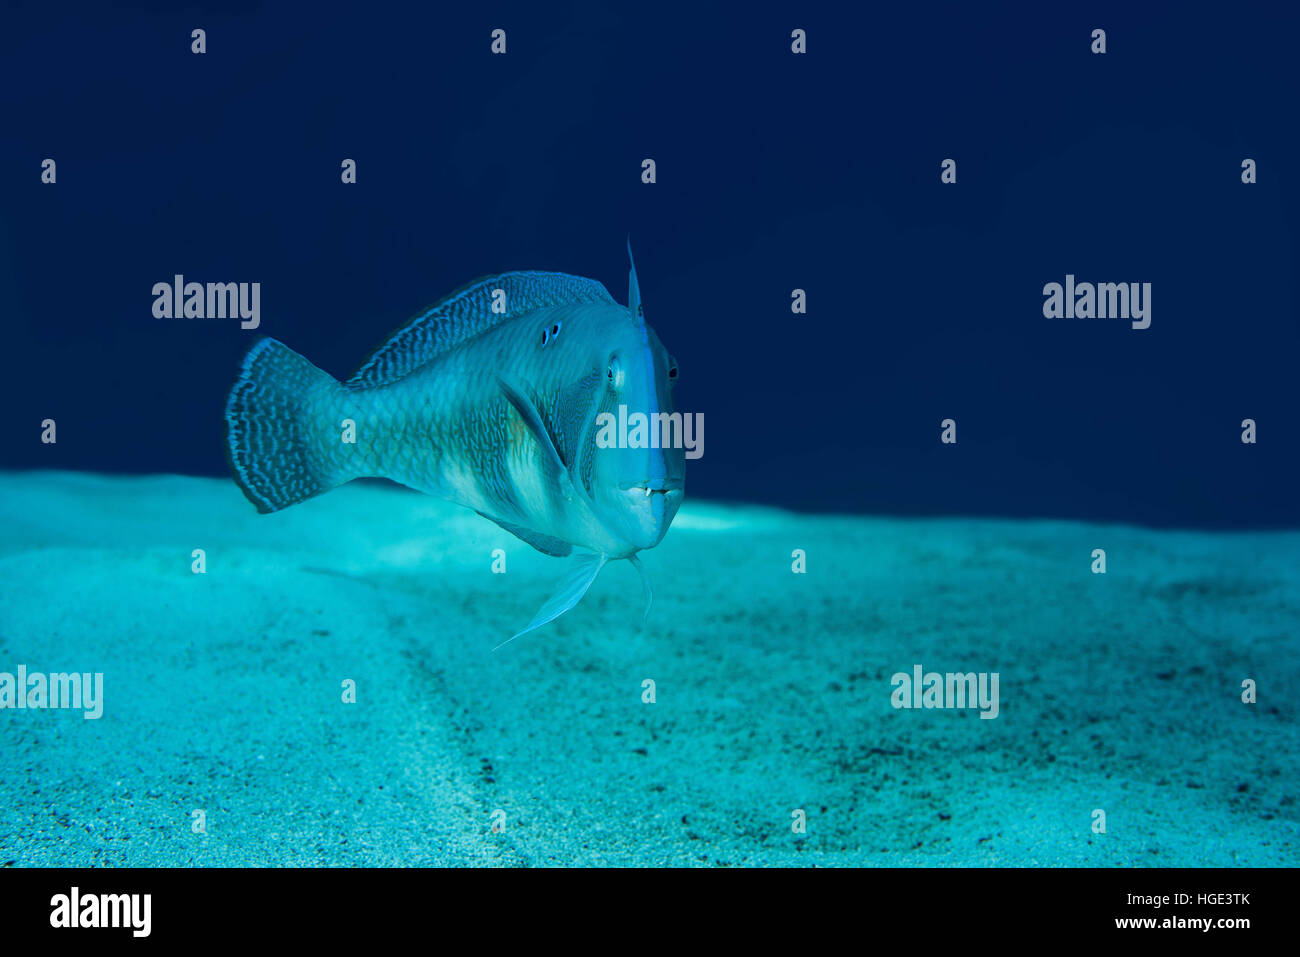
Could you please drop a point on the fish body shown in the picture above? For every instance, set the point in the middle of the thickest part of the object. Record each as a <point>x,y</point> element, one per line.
<point>490,399</point>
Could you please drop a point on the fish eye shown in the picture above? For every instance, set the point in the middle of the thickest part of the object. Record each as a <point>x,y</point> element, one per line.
<point>672,370</point>
<point>614,372</point>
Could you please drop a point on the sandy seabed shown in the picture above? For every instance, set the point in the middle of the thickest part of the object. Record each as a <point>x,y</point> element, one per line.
<point>223,691</point>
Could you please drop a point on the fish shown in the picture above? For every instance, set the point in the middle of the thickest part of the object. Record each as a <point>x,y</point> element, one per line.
<point>492,398</point>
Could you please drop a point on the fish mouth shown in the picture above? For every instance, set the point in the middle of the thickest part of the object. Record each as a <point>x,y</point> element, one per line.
<point>649,487</point>
<point>645,508</point>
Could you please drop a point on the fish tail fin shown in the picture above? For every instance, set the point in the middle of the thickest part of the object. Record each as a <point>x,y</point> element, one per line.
<point>275,451</point>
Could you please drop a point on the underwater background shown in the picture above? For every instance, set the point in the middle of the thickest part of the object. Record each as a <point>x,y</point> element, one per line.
<point>829,539</point>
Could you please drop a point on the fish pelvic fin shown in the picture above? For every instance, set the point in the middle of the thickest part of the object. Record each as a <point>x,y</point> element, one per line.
<point>583,570</point>
<point>645,585</point>
<point>543,543</point>
<point>275,453</point>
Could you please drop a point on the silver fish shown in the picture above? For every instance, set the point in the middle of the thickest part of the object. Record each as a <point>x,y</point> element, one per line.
<point>490,399</point>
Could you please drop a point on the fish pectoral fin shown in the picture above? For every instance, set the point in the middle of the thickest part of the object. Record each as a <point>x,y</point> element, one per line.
<point>533,419</point>
<point>543,543</point>
<point>582,572</point>
<point>645,584</point>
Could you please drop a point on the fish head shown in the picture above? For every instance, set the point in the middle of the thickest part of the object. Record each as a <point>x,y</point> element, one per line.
<point>616,430</point>
<point>637,460</point>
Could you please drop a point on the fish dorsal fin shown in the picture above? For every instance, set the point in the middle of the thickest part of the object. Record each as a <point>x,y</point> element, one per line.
<point>468,312</point>
<point>633,287</point>
<point>543,543</point>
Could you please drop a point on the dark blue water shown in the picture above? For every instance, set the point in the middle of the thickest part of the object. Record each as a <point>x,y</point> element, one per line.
<point>774,172</point>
